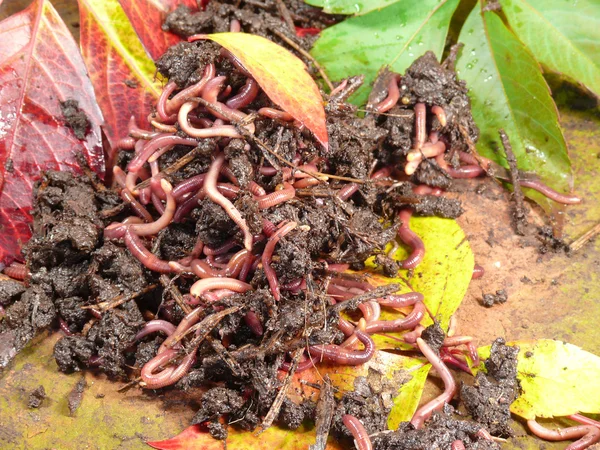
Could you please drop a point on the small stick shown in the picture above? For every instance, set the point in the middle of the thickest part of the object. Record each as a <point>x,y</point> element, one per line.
<point>120,299</point>
<point>520,213</point>
<point>581,241</point>
<point>306,55</point>
<point>287,18</point>
<point>168,284</point>
<point>325,409</point>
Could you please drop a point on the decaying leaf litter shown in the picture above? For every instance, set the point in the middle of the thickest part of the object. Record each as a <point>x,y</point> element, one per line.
<point>216,428</point>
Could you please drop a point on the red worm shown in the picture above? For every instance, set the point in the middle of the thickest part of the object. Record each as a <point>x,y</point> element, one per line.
<point>137,208</point>
<point>162,103</point>
<point>299,172</point>
<point>222,249</point>
<point>301,367</point>
<point>478,272</point>
<point>253,323</point>
<point>162,141</point>
<point>338,267</point>
<point>140,252</point>
<point>586,434</point>
<point>306,183</point>
<point>275,114</point>
<point>235,26</point>
<point>352,284</point>
<point>245,95</point>
<point>344,356</point>
<point>567,199</point>
<point>463,172</point>
<point>400,301</point>
<point>439,112</point>
<point>406,323</point>
<point>393,95</point>
<point>457,445</point>
<point>169,375</point>
<point>425,411</point>
<point>429,150</point>
<point>268,254</point>
<point>411,239</point>
<point>361,437</point>
<point>61,323</point>
<point>210,184</point>
<point>348,191</point>
<point>420,124</point>
<point>126,143</point>
<point>275,198</point>
<point>209,284</point>
<point>256,189</point>
<point>243,276</point>
<point>186,323</point>
<point>269,228</point>
<point>154,326</point>
<point>584,420</point>
<point>137,133</point>
<point>215,131</point>
<point>203,270</point>
<point>210,94</point>
<point>191,202</point>
<point>194,90</point>
<point>192,184</point>
<point>17,271</point>
<point>147,229</point>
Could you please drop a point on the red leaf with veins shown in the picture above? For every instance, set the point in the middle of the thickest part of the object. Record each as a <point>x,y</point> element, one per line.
<point>40,67</point>
<point>147,17</point>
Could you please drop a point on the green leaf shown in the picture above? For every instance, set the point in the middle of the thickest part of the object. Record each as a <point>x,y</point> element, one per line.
<point>350,6</point>
<point>394,35</point>
<point>442,277</point>
<point>508,91</point>
<point>407,401</point>
<point>562,35</point>
<point>557,379</point>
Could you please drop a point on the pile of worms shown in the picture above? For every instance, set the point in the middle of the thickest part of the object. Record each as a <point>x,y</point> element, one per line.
<point>211,109</point>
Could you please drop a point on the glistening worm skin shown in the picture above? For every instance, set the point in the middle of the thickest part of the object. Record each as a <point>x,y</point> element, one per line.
<point>425,411</point>
<point>586,434</point>
<point>210,184</point>
<point>439,112</point>
<point>169,375</point>
<point>457,445</point>
<point>160,142</point>
<point>478,272</point>
<point>209,284</point>
<point>215,131</point>
<point>340,355</point>
<point>137,248</point>
<point>393,95</point>
<point>411,239</point>
<point>147,229</point>
<point>400,301</point>
<point>245,95</point>
<point>194,90</point>
<point>268,254</point>
<point>407,323</point>
<point>275,198</point>
<point>153,326</point>
<point>275,114</point>
<point>361,436</point>
<point>551,193</point>
<point>17,271</point>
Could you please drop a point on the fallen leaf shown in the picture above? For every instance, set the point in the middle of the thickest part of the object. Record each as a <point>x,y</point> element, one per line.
<point>442,277</point>
<point>395,35</point>
<point>121,72</point>
<point>194,438</point>
<point>350,6</point>
<point>508,91</point>
<point>561,35</point>
<point>40,67</point>
<point>557,379</point>
<point>281,75</point>
<point>147,17</point>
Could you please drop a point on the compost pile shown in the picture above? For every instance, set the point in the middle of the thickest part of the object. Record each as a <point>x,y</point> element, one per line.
<point>221,257</point>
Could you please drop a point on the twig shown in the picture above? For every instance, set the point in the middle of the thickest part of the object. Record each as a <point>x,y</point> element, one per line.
<point>520,213</point>
<point>581,241</point>
<point>286,15</point>
<point>325,409</point>
<point>205,327</point>
<point>120,299</point>
<point>353,303</point>
<point>276,406</point>
<point>168,284</point>
<point>306,55</point>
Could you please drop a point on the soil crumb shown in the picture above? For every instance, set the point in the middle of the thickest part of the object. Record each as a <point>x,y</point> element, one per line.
<point>76,396</point>
<point>75,118</point>
<point>36,397</point>
<point>490,300</point>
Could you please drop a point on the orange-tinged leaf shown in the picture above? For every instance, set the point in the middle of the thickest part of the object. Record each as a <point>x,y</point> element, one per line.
<point>281,75</point>
<point>147,16</point>
<point>40,67</point>
<point>122,73</point>
<point>194,438</point>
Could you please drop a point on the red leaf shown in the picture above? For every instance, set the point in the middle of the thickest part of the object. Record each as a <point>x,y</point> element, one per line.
<point>40,67</point>
<point>120,70</point>
<point>147,16</point>
<point>301,32</point>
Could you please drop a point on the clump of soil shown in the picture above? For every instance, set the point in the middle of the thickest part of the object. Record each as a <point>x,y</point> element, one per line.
<point>488,399</point>
<point>36,397</point>
<point>498,298</point>
<point>75,118</point>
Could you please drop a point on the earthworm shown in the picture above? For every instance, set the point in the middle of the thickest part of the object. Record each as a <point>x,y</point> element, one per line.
<point>584,420</point>
<point>192,184</point>
<point>208,284</point>
<point>230,56</point>
<point>215,131</point>
<point>407,323</point>
<point>162,141</point>
<point>275,114</point>
<point>191,202</point>
<point>203,270</point>
<point>119,176</point>
<point>268,254</point>
<point>256,189</point>
<point>411,166</point>
<point>306,364</point>
<point>299,172</point>
<point>371,311</point>
<point>148,229</point>
<point>420,124</point>
<point>223,248</point>
<point>126,143</point>
<point>339,293</point>
<point>210,184</point>
<point>245,95</point>
<point>400,301</point>
<point>393,95</point>
<point>162,103</point>
<point>338,267</point>
<point>348,191</point>
<point>64,326</point>
<point>169,375</point>
<point>352,284</point>
<point>136,206</point>
<point>439,112</point>
<point>153,326</point>
<point>140,252</point>
<point>463,172</point>
<point>17,271</point>
<point>210,94</point>
<point>275,198</point>
<point>458,445</point>
<point>344,356</point>
<point>306,183</point>
<point>186,323</point>
<point>478,272</point>
<point>586,434</point>
<point>361,436</point>
<point>160,208</point>
<point>212,296</point>
<point>253,323</point>
<point>269,228</point>
<point>411,336</point>
<point>425,411</point>
<point>449,359</point>
<point>194,90</point>
<point>567,199</point>
<point>138,133</point>
<point>428,151</point>
<point>235,26</point>
<point>411,239</point>
<point>340,87</point>
<point>247,267</point>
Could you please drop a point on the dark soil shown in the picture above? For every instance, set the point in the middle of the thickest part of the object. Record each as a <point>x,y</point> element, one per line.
<point>490,300</point>
<point>75,118</point>
<point>36,397</point>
